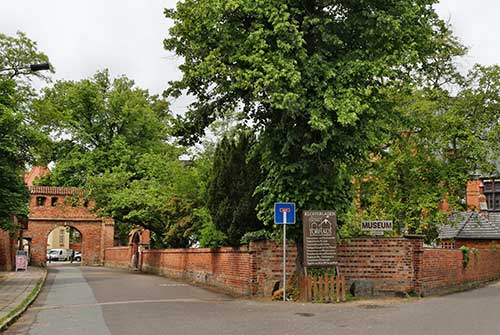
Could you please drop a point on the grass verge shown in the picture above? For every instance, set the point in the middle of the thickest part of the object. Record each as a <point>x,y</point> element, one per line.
<point>16,312</point>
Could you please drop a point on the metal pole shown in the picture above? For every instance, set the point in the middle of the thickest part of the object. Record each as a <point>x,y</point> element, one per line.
<point>284,256</point>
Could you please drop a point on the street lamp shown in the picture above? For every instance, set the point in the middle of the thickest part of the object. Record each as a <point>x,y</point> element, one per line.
<point>31,67</point>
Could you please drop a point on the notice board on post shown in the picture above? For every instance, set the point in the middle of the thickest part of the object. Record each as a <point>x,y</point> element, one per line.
<point>320,238</point>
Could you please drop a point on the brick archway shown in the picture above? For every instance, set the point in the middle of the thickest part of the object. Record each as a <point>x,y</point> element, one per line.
<point>52,207</point>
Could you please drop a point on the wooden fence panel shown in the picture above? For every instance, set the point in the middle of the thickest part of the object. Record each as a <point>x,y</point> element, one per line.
<point>324,288</point>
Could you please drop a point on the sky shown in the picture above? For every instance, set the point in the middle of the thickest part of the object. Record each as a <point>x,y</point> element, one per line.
<point>125,36</point>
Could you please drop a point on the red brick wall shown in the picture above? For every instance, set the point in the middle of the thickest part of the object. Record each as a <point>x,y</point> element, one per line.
<point>117,257</point>
<point>97,233</point>
<point>63,208</point>
<point>443,270</point>
<point>228,268</point>
<point>269,264</point>
<point>392,264</point>
<point>473,193</point>
<point>478,244</point>
<point>387,262</point>
<point>76,246</point>
<point>38,231</point>
<point>7,251</point>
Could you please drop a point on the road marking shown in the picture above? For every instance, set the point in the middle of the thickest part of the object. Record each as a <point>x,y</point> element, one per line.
<point>35,308</point>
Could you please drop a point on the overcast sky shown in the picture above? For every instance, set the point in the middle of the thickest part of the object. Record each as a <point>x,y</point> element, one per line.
<point>126,36</point>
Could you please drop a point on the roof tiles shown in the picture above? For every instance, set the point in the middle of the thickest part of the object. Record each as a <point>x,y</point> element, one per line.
<point>469,225</point>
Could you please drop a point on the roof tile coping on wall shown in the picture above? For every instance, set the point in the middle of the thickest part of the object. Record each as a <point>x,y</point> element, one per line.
<point>55,190</point>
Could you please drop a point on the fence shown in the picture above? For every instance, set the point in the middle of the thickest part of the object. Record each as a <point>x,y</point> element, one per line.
<point>324,288</point>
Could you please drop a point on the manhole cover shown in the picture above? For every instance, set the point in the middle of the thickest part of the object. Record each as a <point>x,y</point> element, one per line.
<point>307,315</point>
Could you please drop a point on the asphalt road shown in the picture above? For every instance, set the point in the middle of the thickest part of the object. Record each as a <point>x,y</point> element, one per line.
<point>86,300</point>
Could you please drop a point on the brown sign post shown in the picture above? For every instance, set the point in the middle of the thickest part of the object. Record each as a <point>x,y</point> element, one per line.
<point>320,238</point>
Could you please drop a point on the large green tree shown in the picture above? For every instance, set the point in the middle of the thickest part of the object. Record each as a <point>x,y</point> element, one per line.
<point>13,155</point>
<point>19,141</point>
<point>99,123</point>
<point>235,174</point>
<point>440,141</point>
<point>314,78</point>
<point>113,139</point>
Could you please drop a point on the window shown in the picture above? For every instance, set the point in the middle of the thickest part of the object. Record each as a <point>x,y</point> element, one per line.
<point>53,201</point>
<point>40,201</point>
<point>492,193</point>
<point>61,237</point>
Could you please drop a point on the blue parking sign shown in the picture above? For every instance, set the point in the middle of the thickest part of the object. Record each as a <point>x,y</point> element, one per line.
<point>284,210</point>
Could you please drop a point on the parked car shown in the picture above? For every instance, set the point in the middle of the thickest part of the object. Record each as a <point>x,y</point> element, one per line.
<point>78,256</point>
<point>58,254</point>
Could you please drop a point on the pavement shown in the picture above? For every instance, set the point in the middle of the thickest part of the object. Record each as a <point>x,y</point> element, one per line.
<point>91,300</point>
<point>17,291</point>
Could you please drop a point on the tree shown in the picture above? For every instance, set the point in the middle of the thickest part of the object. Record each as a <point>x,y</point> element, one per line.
<point>440,141</point>
<point>114,140</point>
<point>313,78</point>
<point>19,141</point>
<point>18,52</point>
<point>13,155</point>
<point>98,123</point>
<point>235,175</point>
<point>163,195</point>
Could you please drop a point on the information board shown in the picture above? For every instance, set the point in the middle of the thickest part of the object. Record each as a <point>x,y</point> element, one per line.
<point>320,238</point>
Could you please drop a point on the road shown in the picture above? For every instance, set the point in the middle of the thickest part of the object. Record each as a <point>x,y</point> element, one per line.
<point>88,300</point>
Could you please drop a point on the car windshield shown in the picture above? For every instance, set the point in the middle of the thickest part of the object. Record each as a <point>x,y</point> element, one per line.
<point>53,252</point>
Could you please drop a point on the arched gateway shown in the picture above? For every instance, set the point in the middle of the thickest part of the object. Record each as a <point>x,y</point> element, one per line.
<point>51,207</point>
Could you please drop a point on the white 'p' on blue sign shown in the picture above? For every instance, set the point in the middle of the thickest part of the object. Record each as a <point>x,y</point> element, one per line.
<point>284,212</point>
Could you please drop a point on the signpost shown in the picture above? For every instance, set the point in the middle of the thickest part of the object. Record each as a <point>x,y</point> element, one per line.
<point>376,227</point>
<point>284,213</point>
<point>320,238</point>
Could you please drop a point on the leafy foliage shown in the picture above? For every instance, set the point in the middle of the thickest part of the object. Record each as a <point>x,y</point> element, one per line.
<point>19,141</point>
<point>13,154</point>
<point>235,174</point>
<point>440,141</point>
<point>112,139</point>
<point>315,80</point>
<point>99,123</point>
<point>210,236</point>
<point>16,53</point>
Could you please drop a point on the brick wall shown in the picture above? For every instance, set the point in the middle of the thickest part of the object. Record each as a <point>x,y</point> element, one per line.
<point>117,257</point>
<point>65,206</point>
<point>473,191</point>
<point>7,251</point>
<point>68,203</point>
<point>91,230</point>
<point>228,268</point>
<point>392,264</point>
<point>443,270</point>
<point>478,244</point>
<point>269,265</point>
<point>387,262</point>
